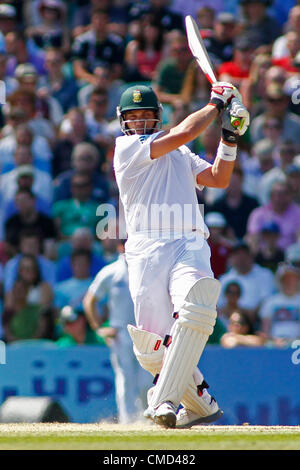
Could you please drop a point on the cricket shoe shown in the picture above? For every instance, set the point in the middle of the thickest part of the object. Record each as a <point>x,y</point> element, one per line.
<point>187,418</point>
<point>165,415</point>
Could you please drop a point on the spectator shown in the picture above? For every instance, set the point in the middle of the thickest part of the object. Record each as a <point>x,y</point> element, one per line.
<point>56,84</point>
<point>272,130</point>
<point>10,83</point>
<point>281,210</point>
<point>268,254</point>
<point>220,43</point>
<point>104,81</point>
<point>235,205</point>
<point>257,20</point>
<point>219,241</point>
<point>73,130</point>
<point>260,162</point>
<point>292,255</point>
<point>172,71</point>
<point>40,181</point>
<point>20,53</point>
<point>279,48</point>
<point>160,11</point>
<point>143,54</point>
<point>72,291</point>
<point>195,88</point>
<point>8,18</point>
<point>280,314</point>
<point>27,217</point>
<point>276,106</point>
<point>30,243</point>
<point>97,125</point>
<point>23,135</point>
<point>47,106</point>
<point>25,181</point>
<point>293,46</point>
<point>287,152</point>
<point>82,239</point>
<point>241,333</point>
<point>292,173</point>
<point>97,46</point>
<point>237,70</point>
<point>51,32</point>
<point>253,88</point>
<point>75,329</point>
<point>26,100</point>
<point>232,296</point>
<point>257,283</point>
<point>206,17</point>
<point>78,211</point>
<point>27,307</point>
<point>85,161</point>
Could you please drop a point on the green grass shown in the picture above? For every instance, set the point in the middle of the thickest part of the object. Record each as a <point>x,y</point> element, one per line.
<point>145,437</point>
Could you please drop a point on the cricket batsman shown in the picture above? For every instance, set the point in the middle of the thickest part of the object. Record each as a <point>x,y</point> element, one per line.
<point>170,278</point>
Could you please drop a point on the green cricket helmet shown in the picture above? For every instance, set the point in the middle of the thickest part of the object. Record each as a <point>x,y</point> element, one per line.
<point>139,97</point>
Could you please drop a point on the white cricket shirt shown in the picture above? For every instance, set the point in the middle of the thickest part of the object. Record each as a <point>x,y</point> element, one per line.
<point>158,195</point>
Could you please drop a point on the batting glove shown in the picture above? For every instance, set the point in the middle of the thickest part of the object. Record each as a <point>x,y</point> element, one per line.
<point>222,93</point>
<point>235,121</point>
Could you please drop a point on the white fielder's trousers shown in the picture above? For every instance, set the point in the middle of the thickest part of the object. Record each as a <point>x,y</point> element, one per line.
<point>161,273</point>
<point>131,381</point>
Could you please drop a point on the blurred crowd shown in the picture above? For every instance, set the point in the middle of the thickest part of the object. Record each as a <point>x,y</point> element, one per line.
<point>64,66</point>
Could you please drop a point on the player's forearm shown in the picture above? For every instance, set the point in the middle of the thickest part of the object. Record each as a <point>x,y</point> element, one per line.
<point>91,311</point>
<point>222,171</point>
<point>190,128</point>
<point>193,125</point>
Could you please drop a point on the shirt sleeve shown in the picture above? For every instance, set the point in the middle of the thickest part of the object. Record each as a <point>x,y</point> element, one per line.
<point>100,286</point>
<point>265,310</point>
<point>198,164</point>
<point>132,154</point>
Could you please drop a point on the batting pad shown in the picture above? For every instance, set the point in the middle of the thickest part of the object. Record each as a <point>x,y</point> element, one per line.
<point>195,323</point>
<point>148,348</point>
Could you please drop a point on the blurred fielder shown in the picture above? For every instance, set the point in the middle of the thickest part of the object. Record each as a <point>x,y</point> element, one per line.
<point>131,381</point>
<point>170,278</point>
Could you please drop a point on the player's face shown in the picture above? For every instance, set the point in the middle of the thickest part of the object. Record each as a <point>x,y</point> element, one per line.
<point>140,121</point>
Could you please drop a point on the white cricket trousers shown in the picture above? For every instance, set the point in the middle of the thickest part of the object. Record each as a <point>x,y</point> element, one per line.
<point>161,273</point>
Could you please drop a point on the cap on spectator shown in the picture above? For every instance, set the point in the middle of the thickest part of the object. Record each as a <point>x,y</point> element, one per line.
<point>215,219</point>
<point>226,18</point>
<point>23,170</point>
<point>265,2</point>
<point>25,70</point>
<point>292,253</point>
<point>7,11</point>
<point>240,245</point>
<point>270,227</point>
<point>246,42</point>
<point>284,268</point>
<point>275,91</point>
<point>53,4</point>
<point>68,315</point>
<point>263,148</point>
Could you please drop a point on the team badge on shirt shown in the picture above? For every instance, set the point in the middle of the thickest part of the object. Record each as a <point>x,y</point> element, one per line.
<point>137,96</point>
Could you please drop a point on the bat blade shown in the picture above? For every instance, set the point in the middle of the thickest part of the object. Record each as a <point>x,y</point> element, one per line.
<point>198,49</point>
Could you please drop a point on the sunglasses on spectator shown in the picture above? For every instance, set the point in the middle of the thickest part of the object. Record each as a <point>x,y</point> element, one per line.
<point>81,185</point>
<point>276,100</point>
